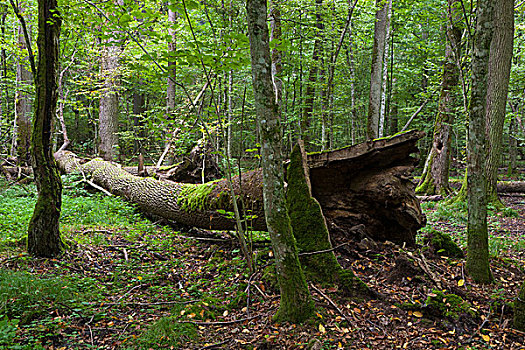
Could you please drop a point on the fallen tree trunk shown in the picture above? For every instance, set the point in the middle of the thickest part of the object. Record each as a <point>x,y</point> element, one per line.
<point>511,187</point>
<point>189,204</point>
<point>365,186</point>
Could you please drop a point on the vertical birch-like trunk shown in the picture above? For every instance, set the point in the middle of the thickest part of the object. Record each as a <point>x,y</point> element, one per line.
<point>109,102</point>
<point>378,58</point>
<point>43,239</point>
<point>139,107</point>
<point>434,179</point>
<point>296,303</point>
<point>60,115</point>
<point>171,91</point>
<point>477,235</point>
<point>23,108</point>
<point>384,78</point>
<point>513,146</point>
<point>275,34</point>
<point>229,128</point>
<point>4,104</point>
<point>498,85</point>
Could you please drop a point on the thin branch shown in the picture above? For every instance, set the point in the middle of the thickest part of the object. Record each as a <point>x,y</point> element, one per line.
<point>415,115</point>
<point>466,19</point>
<point>221,323</point>
<point>332,303</point>
<point>343,33</point>
<point>323,251</point>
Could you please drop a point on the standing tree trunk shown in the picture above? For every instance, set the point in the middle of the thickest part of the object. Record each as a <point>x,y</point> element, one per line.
<point>477,246</point>
<point>378,58</point>
<point>171,91</point>
<point>351,66</point>
<point>328,141</point>
<point>275,34</point>
<point>296,303</point>
<point>310,230</point>
<point>434,179</point>
<point>43,237</point>
<point>4,104</point>
<point>309,94</point>
<point>24,80</point>
<point>384,78</point>
<point>513,146</point>
<point>171,86</point>
<point>139,107</point>
<point>108,112</point>
<point>498,85</point>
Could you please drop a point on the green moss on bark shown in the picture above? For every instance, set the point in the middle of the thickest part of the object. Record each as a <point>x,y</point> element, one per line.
<point>195,197</point>
<point>311,233</point>
<point>519,310</point>
<point>43,238</point>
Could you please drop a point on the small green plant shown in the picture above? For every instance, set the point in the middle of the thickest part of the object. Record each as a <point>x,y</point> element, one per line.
<point>455,213</point>
<point>24,296</point>
<point>7,332</point>
<point>165,333</point>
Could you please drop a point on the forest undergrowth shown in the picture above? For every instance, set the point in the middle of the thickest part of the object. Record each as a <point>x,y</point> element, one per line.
<point>126,282</point>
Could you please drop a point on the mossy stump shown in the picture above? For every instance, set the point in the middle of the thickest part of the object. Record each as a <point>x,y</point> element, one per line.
<point>311,233</point>
<point>519,310</point>
<point>442,244</point>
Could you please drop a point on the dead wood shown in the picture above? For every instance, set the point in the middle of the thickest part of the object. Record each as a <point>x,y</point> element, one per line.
<point>511,187</point>
<point>368,184</point>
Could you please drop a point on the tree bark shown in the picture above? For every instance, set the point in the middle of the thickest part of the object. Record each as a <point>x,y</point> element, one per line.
<point>498,84</point>
<point>171,91</point>
<point>139,107</point>
<point>384,79</point>
<point>511,187</point>
<point>378,56</point>
<point>309,94</point>
<point>43,238</point>
<point>4,104</point>
<point>513,146</point>
<point>108,110</point>
<point>296,302</point>
<point>23,109</point>
<point>310,230</point>
<point>519,309</point>
<point>477,236</point>
<point>434,179</point>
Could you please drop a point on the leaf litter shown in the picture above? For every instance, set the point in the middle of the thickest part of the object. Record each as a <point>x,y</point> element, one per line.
<point>137,281</point>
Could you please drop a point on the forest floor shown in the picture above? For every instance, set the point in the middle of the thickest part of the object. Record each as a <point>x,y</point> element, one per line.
<point>126,283</point>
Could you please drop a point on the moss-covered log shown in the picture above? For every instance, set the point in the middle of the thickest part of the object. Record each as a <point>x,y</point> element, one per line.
<point>189,204</point>
<point>368,184</point>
